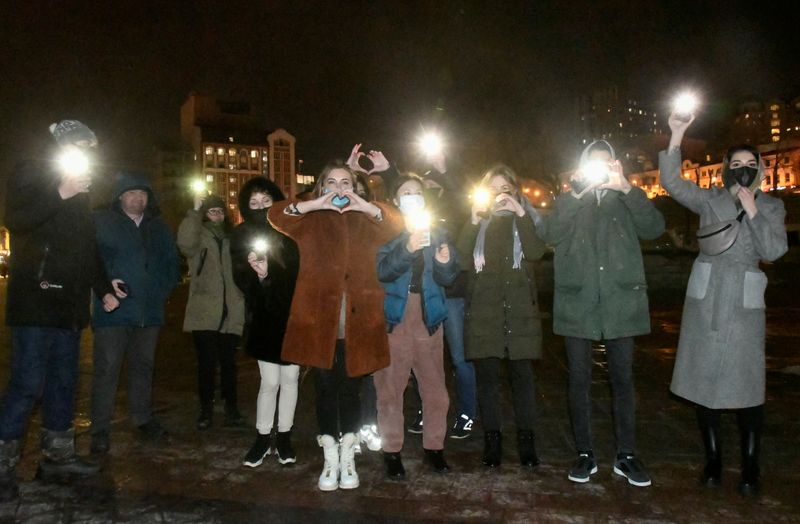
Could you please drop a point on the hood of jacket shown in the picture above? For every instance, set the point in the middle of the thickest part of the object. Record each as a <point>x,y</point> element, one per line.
<point>585,153</point>
<point>258,184</point>
<point>129,180</point>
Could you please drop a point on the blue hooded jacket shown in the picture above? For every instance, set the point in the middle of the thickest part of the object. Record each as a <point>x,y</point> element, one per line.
<point>144,257</point>
<point>395,271</point>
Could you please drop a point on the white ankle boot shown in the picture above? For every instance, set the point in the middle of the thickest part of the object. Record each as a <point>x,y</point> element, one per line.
<point>329,479</point>
<point>348,478</point>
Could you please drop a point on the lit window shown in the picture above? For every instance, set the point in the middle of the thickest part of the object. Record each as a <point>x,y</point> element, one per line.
<point>231,152</point>
<point>233,193</point>
<point>620,124</point>
<point>221,151</point>
<point>232,180</point>
<point>230,139</point>
<point>776,138</point>
<point>708,158</point>
<point>253,154</point>
<point>209,178</point>
<point>774,107</point>
<point>775,122</point>
<point>747,115</point>
<point>209,150</point>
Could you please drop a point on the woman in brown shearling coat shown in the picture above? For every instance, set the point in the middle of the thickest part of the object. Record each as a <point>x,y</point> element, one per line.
<point>336,322</point>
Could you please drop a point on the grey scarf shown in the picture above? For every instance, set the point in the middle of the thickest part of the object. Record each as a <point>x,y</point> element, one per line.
<point>478,253</point>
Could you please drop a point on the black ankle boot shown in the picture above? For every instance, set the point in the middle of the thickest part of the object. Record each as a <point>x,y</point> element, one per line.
<point>394,466</point>
<point>59,462</point>
<point>751,441</point>
<point>286,454</point>
<point>492,448</point>
<point>527,449</point>
<point>712,473</point>
<point>435,459</point>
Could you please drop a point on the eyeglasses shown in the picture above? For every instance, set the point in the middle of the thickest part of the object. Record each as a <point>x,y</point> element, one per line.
<point>215,212</point>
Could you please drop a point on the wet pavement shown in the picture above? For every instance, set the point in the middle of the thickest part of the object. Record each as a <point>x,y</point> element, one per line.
<point>198,476</point>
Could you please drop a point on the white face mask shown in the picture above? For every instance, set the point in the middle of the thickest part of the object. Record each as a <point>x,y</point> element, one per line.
<point>410,204</point>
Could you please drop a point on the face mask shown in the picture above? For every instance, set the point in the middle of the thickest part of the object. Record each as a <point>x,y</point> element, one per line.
<point>411,203</point>
<point>744,176</point>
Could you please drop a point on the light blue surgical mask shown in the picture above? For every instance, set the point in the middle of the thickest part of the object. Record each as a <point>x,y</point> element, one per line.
<point>410,204</point>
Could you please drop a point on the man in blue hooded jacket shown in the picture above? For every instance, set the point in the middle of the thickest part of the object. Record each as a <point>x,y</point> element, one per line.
<point>140,257</point>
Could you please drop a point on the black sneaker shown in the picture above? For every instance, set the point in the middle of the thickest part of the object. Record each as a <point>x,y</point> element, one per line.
<point>583,468</point>
<point>631,468</point>
<point>260,449</point>
<point>462,428</point>
<point>153,430</point>
<point>101,443</point>
<point>416,427</point>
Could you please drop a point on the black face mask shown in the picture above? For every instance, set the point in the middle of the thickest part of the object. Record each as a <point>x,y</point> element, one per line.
<point>744,176</point>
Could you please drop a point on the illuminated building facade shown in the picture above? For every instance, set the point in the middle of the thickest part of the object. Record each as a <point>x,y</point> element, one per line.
<point>763,122</point>
<point>229,147</point>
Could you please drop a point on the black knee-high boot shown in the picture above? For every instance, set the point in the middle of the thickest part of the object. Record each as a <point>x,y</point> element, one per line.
<point>750,422</point>
<point>708,422</point>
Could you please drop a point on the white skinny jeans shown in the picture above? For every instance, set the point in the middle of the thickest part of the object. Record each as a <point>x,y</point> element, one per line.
<point>276,377</point>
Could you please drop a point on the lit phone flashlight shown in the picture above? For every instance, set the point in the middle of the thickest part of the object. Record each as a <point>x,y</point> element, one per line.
<point>684,106</point>
<point>421,221</point>
<point>198,187</point>
<point>73,162</point>
<point>260,249</point>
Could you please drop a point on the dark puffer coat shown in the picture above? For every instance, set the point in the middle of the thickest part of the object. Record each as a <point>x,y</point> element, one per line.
<point>267,303</point>
<point>502,318</point>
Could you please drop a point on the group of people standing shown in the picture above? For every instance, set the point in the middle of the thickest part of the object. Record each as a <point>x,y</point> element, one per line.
<point>354,287</point>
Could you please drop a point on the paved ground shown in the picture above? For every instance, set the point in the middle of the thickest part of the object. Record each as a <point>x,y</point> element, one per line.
<point>198,477</point>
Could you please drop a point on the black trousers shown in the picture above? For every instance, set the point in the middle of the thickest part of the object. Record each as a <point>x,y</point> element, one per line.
<point>523,392</point>
<point>338,399</point>
<point>619,353</point>
<point>214,347</point>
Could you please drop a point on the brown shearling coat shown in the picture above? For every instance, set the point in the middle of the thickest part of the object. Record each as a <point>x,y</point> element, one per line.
<point>338,254</point>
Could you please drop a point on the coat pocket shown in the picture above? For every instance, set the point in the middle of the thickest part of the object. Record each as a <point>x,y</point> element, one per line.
<point>755,283</point>
<point>698,280</point>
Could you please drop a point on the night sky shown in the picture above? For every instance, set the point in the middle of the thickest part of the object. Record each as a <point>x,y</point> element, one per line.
<point>500,78</point>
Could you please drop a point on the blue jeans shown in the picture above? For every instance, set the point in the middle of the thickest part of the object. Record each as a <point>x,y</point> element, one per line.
<point>44,364</point>
<point>465,371</point>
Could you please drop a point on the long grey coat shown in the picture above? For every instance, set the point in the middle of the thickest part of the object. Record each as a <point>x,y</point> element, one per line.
<point>720,361</point>
<point>212,285</point>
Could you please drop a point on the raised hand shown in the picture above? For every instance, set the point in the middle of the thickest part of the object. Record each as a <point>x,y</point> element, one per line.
<point>616,178</point>
<point>506,202</point>
<point>358,204</point>
<point>352,162</point>
<point>748,200</point>
<point>379,162</point>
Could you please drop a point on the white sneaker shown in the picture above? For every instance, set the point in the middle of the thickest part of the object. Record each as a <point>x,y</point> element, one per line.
<point>329,479</point>
<point>369,436</point>
<point>348,477</point>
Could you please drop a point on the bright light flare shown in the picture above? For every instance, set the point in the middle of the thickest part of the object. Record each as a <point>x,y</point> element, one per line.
<point>595,171</point>
<point>198,186</point>
<point>431,144</point>
<point>685,104</point>
<point>260,246</point>
<point>481,197</point>
<point>420,221</point>
<point>74,162</point>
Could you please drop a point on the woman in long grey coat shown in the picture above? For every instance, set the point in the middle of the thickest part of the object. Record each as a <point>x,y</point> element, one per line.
<point>720,360</point>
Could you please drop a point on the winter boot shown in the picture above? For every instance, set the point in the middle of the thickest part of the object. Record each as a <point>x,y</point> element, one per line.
<point>60,462</point>
<point>286,454</point>
<point>526,449</point>
<point>751,442</point>
<point>394,466</point>
<point>9,457</point>
<point>712,473</point>
<point>435,459</point>
<point>260,449</point>
<point>348,477</point>
<point>329,479</point>
<point>492,448</point>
